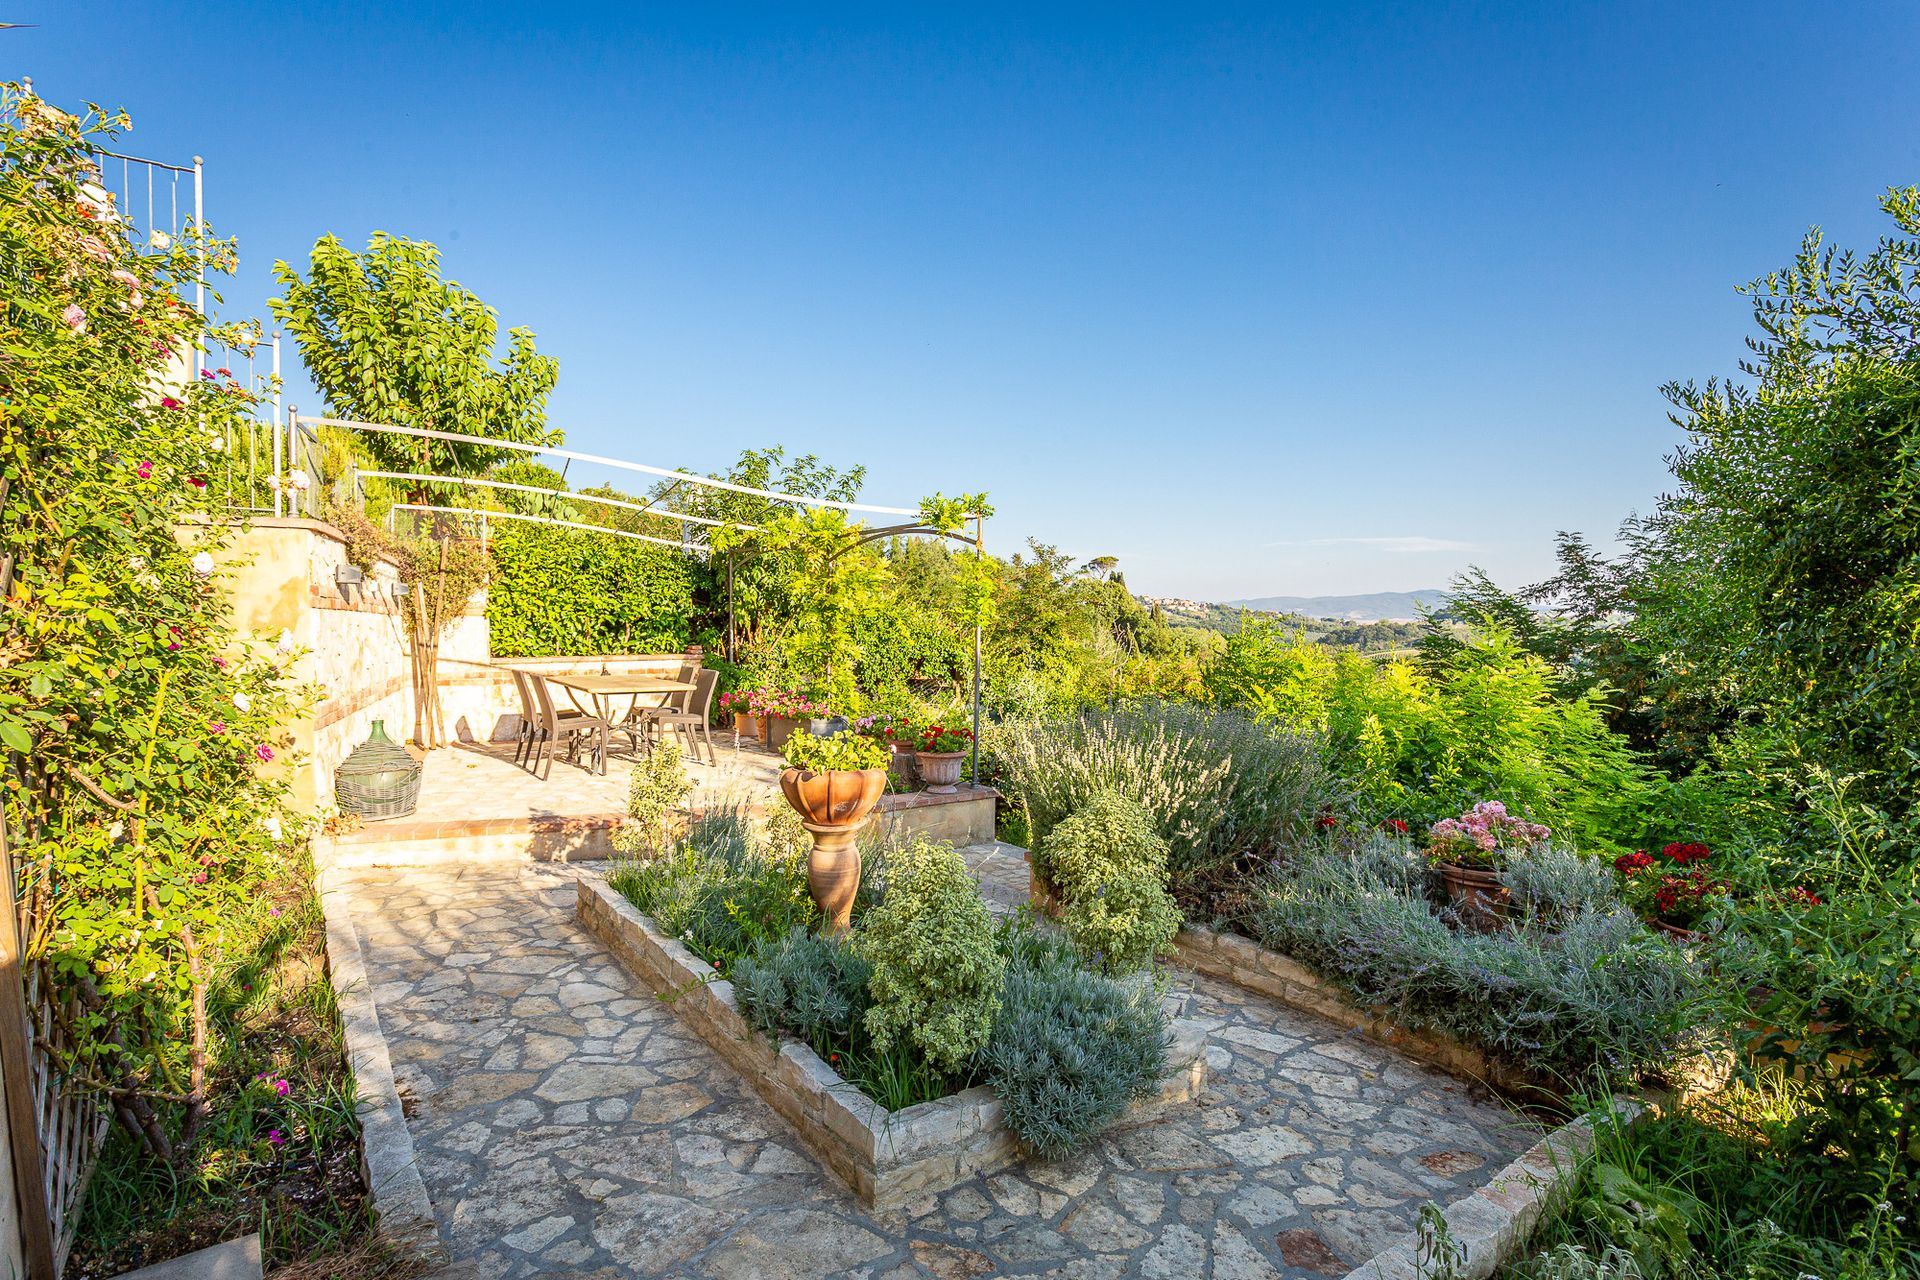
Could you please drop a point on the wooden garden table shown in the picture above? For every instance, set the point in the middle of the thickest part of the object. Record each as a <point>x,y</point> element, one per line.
<point>603,689</point>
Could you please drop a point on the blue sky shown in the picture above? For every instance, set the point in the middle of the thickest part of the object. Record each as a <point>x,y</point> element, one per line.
<point>1293,299</point>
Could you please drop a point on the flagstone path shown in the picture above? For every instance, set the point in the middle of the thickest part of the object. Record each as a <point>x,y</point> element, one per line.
<point>566,1124</point>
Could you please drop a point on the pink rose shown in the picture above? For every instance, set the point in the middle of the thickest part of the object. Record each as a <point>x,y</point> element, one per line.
<point>76,318</point>
<point>264,751</point>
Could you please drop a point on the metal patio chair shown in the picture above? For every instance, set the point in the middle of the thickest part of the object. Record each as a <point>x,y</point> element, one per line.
<point>555,725</point>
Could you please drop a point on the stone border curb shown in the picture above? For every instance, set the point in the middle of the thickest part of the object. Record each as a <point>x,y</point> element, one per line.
<point>388,1164</point>
<point>886,1159</point>
<point>1245,963</point>
<point>1492,1224</point>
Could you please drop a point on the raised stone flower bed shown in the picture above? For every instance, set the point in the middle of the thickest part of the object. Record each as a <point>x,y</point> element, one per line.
<point>886,1159</point>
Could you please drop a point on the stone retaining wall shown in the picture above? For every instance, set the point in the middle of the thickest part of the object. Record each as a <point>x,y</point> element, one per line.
<point>1248,964</point>
<point>886,1159</point>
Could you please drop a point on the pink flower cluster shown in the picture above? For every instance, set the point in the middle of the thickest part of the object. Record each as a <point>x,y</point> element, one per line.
<point>1483,829</point>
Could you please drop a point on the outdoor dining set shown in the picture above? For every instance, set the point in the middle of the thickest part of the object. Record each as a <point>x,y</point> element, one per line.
<point>643,708</point>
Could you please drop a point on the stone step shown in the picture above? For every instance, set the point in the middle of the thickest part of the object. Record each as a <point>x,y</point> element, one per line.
<point>237,1259</point>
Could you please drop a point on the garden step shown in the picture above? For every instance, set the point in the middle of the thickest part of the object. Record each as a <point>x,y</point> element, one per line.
<point>237,1259</point>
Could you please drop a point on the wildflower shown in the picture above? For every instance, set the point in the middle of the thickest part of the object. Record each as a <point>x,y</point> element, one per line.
<point>273,911</point>
<point>217,727</point>
<point>202,566</point>
<point>75,318</point>
<point>242,701</point>
<point>276,1138</point>
<point>265,753</point>
<point>281,1088</point>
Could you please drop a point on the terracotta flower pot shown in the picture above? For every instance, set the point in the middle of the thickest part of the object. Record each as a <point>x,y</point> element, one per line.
<point>940,769</point>
<point>1478,896</point>
<point>747,726</point>
<point>833,806</point>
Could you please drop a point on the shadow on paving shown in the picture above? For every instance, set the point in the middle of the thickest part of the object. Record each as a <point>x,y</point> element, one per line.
<point>567,1124</point>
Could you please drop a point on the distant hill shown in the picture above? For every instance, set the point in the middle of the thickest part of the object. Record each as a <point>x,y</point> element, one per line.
<point>1379,606</point>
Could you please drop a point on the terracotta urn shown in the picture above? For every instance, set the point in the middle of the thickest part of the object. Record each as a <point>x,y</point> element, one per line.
<point>833,806</point>
<point>747,726</point>
<point>1478,895</point>
<point>940,770</point>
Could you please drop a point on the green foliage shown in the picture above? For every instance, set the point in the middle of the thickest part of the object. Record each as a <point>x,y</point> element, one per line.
<point>655,788</point>
<point>846,750</point>
<point>1786,579</point>
<point>386,340</point>
<point>1111,868</point>
<point>1586,989</point>
<point>805,985</point>
<point>138,727</point>
<point>1224,792</point>
<point>1718,1189</point>
<point>720,890</point>
<point>1422,741</point>
<point>936,974</point>
<point>1070,1049</point>
<point>567,591</point>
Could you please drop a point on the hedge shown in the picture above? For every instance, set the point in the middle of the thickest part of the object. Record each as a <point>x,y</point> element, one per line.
<point>563,591</point>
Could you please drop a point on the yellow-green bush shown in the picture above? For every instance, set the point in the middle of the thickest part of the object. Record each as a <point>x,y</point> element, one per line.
<point>1111,868</point>
<point>936,972</point>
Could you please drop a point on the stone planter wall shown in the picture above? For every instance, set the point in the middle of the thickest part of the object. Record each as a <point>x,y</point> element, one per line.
<point>1248,964</point>
<point>886,1159</point>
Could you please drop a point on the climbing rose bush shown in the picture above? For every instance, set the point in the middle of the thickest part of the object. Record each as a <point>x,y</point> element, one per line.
<point>145,782</point>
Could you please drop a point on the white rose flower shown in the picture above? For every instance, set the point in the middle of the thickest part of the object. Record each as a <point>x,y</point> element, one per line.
<point>203,564</point>
<point>217,443</point>
<point>159,240</point>
<point>242,701</point>
<point>297,480</point>
<point>285,643</point>
<point>272,827</point>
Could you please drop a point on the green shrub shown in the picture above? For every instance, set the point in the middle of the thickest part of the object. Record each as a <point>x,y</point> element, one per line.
<point>805,985</point>
<point>657,785</point>
<point>1589,989</point>
<point>1224,792</point>
<point>840,751</point>
<point>1070,1048</point>
<point>1423,741</point>
<point>556,590</point>
<point>936,975</point>
<point>719,891</point>
<point>1110,866</point>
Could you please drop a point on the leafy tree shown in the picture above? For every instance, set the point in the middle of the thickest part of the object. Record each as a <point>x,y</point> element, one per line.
<point>387,340</point>
<point>1787,576</point>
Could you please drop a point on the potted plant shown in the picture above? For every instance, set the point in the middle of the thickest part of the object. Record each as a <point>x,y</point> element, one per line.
<point>833,784</point>
<point>1674,896</point>
<point>938,756</point>
<point>739,703</point>
<point>1469,852</point>
<point>785,711</point>
<point>896,735</point>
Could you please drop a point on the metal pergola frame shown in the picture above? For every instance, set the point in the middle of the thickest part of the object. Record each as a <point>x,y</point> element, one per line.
<point>912,528</point>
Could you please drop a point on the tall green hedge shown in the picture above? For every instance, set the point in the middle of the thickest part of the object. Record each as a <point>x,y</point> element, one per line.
<point>560,590</point>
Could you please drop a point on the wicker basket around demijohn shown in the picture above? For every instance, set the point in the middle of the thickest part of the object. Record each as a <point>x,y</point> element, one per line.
<point>379,780</point>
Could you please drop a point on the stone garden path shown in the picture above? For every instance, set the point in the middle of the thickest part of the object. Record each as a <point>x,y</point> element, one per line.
<point>567,1125</point>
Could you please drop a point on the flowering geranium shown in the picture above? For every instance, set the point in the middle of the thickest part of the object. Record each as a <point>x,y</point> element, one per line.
<point>1674,897</point>
<point>1480,836</point>
<point>938,739</point>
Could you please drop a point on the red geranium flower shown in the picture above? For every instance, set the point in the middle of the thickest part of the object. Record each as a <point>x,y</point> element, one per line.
<point>1396,825</point>
<point>1687,854</point>
<point>1326,821</point>
<point>1628,863</point>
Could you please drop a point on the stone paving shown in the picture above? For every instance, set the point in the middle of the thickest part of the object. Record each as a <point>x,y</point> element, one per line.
<point>568,1125</point>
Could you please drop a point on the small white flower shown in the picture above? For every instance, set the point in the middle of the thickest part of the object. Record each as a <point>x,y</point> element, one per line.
<point>203,564</point>
<point>272,827</point>
<point>217,443</point>
<point>297,480</point>
<point>159,240</point>
<point>242,701</point>
<point>117,830</point>
<point>136,563</point>
<point>285,643</point>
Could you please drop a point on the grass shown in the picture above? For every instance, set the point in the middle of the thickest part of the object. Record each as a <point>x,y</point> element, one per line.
<point>279,1151</point>
<point>1708,1191</point>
